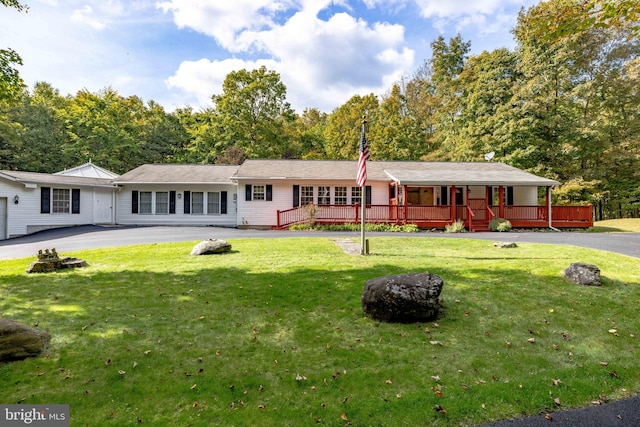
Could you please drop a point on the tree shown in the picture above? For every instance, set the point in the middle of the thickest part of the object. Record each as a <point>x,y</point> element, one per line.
<point>396,134</point>
<point>447,63</point>
<point>343,127</point>
<point>42,133</point>
<point>11,85</point>
<point>251,113</point>
<point>577,16</point>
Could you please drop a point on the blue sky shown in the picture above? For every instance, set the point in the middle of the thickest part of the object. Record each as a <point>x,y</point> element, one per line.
<point>178,52</point>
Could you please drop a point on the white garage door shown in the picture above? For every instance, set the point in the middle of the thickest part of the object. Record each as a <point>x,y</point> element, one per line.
<point>3,218</point>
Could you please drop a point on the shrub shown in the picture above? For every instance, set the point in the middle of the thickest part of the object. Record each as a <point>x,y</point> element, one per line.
<point>456,227</point>
<point>500,224</point>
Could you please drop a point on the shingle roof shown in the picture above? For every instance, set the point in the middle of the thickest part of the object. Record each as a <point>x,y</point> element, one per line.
<point>179,174</point>
<point>406,173</point>
<point>45,178</point>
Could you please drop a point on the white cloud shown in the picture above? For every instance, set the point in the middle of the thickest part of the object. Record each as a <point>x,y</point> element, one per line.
<point>85,16</point>
<point>322,62</point>
<point>457,8</point>
<point>223,20</point>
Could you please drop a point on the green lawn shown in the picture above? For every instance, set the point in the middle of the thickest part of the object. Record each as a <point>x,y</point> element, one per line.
<point>273,334</point>
<point>617,225</point>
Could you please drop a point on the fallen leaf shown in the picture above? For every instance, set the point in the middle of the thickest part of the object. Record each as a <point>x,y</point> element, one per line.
<point>532,340</point>
<point>107,362</point>
<point>548,417</point>
<point>557,401</point>
<point>436,377</point>
<point>260,388</point>
<point>388,381</point>
<point>121,372</point>
<point>398,395</point>
<point>195,404</point>
<point>440,409</point>
<point>194,386</point>
<point>135,363</point>
<point>344,416</point>
<point>435,342</point>
<point>262,406</point>
<point>604,363</point>
<point>556,382</point>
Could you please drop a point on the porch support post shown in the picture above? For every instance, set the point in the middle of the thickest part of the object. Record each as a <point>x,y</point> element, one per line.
<point>453,202</point>
<point>548,202</point>
<point>405,202</point>
<point>501,201</point>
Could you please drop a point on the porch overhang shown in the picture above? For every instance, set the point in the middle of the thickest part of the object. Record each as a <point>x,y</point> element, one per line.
<point>513,177</point>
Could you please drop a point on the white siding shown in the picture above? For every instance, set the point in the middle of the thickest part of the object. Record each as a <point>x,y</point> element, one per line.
<point>263,213</point>
<point>25,217</point>
<point>124,215</point>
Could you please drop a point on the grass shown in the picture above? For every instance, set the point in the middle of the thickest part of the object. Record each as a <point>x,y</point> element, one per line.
<point>273,334</point>
<point>617,225</point>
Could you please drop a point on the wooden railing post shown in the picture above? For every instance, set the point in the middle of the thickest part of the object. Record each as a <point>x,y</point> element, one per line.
<point>278,219</point>
<point>357,206</point>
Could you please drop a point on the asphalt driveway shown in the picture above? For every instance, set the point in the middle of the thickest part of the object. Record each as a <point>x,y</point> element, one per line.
<point>88,237</point>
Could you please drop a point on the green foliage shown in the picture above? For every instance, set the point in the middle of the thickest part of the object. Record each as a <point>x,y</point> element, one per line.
<point>252,113</point>
<point>500,224</point>
<point>393,228</point>
<point>272,334</point>
<point>455,227</point>
<point>11,85</point>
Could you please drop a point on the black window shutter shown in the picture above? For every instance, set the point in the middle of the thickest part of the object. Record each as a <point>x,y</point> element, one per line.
<point>187,202</point>
<point>45,200</point>
<point>247,192</point>
<point>134,202</point>
<point>367,194</point>
<point>269,195</point>
<point>296,196</point>
<point>223,203</point>
<point>509,196</point>
<point>75,201</point>
<point>444,196</point>
<point>172,202</point>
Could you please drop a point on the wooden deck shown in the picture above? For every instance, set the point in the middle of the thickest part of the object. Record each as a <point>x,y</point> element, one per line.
<point>475,219</point>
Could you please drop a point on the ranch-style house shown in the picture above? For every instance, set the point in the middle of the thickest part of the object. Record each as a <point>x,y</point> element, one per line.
<point>279,193</point>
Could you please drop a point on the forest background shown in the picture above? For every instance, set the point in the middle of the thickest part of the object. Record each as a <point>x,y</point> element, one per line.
<point>563,104</point>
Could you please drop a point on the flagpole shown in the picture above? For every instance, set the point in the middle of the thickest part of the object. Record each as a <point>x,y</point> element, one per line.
<point>363,200</point>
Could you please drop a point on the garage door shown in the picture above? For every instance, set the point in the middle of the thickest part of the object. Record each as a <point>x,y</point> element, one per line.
<point>3,218</point>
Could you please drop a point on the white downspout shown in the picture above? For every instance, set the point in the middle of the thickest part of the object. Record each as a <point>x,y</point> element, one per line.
<point>549,207</point>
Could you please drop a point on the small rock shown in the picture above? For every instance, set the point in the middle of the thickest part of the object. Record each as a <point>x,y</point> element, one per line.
<point>211,246</point>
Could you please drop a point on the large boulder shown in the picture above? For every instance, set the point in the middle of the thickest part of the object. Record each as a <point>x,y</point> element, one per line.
<point>583,274</point>
<point>211,246</point>
<point>19,341</point>
<point>403,298</point>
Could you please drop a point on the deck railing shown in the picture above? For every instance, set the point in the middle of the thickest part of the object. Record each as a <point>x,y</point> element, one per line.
<point>436,216</point>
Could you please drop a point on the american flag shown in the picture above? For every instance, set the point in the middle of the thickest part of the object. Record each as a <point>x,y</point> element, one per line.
<point>362,160</point>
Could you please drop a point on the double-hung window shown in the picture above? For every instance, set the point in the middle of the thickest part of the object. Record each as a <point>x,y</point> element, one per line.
<point>324,195</point>
<point>356,195</point>
<point>258,192</point>
<point>306,195</point>
<point>197,202</point>
<point>213,203</point>
<point>61,201</point>
<point>162,202</point>
<point>145,204</point>
<point>340,195</point>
